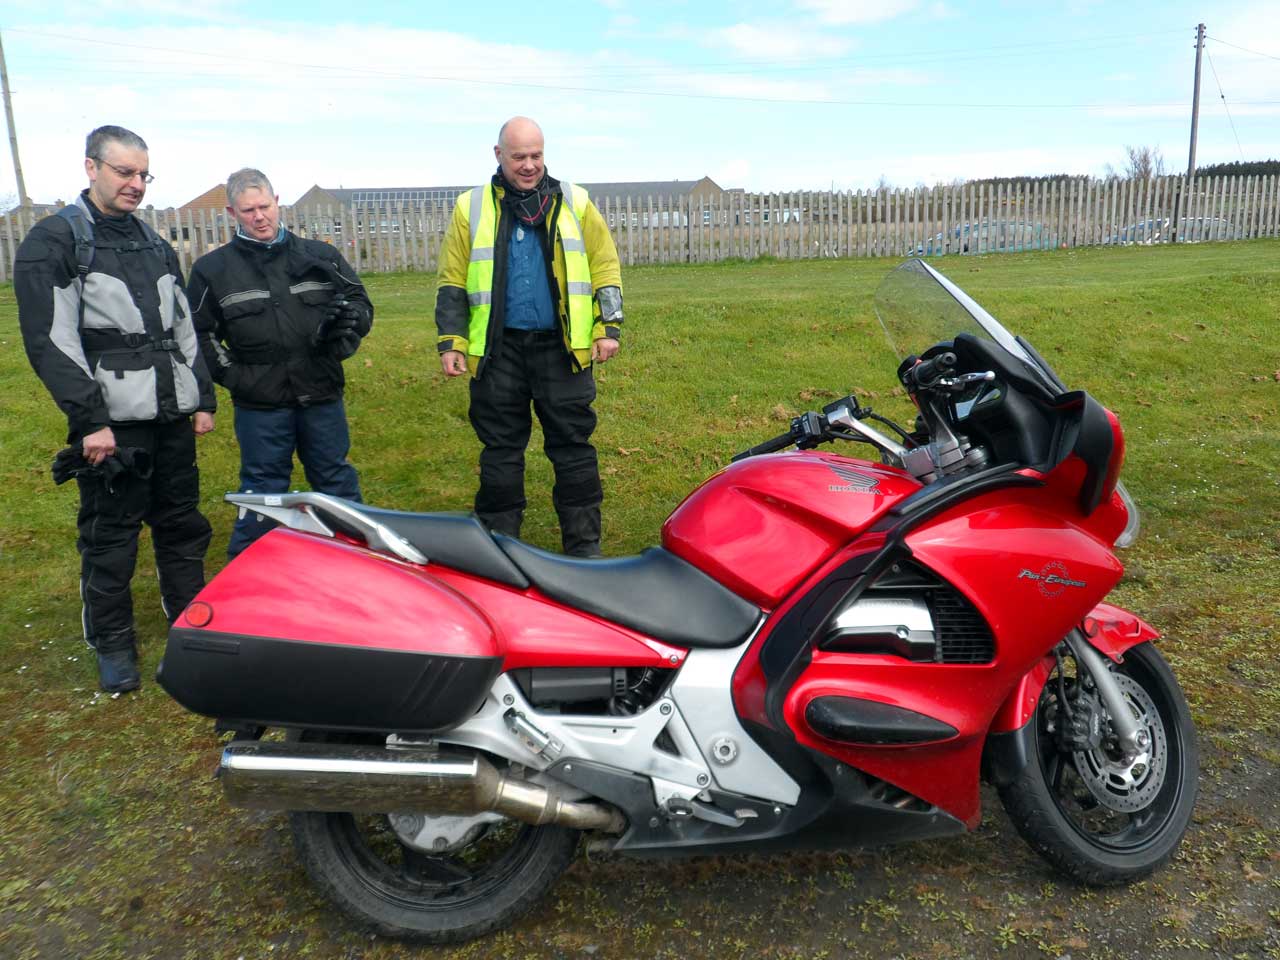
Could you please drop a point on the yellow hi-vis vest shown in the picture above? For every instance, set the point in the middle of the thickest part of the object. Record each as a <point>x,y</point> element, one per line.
<point>482,218</point>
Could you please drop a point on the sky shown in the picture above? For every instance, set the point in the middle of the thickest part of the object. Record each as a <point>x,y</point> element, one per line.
<point>773,96</point>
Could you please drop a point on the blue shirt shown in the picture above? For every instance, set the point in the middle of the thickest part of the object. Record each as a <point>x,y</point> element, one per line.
<point>528,303</point>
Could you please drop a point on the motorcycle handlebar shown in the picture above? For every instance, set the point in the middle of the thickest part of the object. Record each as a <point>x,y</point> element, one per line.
<point>780,442</point>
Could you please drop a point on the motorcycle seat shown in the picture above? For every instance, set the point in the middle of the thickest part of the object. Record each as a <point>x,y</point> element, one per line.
<point>656,593</point>
<point>456,540</point>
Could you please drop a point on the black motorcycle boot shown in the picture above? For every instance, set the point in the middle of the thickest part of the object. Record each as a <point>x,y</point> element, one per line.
<point>580,530</point>
<point>118,671</point>
<point>507,522</point>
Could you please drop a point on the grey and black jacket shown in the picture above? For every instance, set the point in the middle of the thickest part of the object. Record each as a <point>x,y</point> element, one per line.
<point>258,309</point>
<point>117,346</point>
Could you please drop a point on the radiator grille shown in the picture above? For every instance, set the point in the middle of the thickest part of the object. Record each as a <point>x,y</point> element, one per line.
<point>962,634</point>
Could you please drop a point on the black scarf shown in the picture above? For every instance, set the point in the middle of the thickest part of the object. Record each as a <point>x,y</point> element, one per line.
<point>530,207</point>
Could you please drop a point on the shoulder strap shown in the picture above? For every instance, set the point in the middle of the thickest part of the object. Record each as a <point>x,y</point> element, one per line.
<point>82,232</point>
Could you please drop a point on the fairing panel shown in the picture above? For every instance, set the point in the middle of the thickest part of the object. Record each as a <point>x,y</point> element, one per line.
<point>761,525</point>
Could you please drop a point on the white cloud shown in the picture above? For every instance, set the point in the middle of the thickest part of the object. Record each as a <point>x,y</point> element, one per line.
<point>844,12</point>
<point>774,41</point>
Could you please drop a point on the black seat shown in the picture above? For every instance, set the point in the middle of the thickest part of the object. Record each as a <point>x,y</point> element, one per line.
<point>457,540</point>
<point>656,593</point>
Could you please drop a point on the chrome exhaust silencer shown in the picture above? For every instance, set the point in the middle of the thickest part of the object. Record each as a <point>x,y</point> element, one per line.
<point>330,777</point>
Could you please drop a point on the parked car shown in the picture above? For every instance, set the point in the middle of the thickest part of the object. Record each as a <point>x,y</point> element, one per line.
<point>1190,230</point>
<point>1006,236</point>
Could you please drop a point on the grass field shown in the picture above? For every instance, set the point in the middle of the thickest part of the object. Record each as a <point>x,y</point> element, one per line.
<point>114,841</point>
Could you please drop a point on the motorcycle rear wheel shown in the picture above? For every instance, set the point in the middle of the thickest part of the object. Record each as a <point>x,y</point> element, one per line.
<point>361,863</point>
<point>1120,838</point>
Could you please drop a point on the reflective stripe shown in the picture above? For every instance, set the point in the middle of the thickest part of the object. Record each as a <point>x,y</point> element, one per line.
<point>232,299</point>
<point>308,285</point>
<point>481,253</point>
<point>577,268</point>
<point>479,297</point>
<point>477,198</point>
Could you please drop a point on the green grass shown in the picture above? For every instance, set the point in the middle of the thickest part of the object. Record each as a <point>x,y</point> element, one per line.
<point>115,843</point>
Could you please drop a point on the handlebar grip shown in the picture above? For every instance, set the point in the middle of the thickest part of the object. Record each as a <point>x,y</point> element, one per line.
<point>927,371</point>
<point>780,442</point>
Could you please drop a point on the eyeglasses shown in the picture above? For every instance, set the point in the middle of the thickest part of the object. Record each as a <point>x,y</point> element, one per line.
<point>124,173</point>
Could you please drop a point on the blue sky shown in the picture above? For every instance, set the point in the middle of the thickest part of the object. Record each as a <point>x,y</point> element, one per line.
<point>784,95</point>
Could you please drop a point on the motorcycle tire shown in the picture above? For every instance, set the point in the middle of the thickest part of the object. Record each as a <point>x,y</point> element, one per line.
<point>360,863</point>
<point>1088,815</point>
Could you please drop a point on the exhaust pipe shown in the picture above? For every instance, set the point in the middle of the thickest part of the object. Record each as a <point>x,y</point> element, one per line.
<point>330,777</point>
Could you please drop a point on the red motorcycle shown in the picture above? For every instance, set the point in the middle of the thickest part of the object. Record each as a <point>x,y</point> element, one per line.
<point>824,652</point>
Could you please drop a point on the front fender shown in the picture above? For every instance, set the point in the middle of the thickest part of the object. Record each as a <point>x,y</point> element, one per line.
<point>1113,630</point>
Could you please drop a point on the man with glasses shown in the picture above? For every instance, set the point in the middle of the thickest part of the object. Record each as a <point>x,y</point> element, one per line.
<point>107,327</point>
<point>276,315</point>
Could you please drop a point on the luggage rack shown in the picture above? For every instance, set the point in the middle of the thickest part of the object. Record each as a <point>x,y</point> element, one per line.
<point>326,515</point>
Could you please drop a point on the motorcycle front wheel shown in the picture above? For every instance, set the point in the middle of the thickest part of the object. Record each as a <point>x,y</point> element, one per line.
<point>1091,814</point>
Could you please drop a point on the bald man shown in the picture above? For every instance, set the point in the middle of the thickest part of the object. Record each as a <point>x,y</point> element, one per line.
<point>529,297</point>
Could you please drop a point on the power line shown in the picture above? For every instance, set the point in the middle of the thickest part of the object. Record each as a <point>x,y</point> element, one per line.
<point>1224,105</point>
<point>801,63</point>
<point>347,74</point>
<point>1256,53</point>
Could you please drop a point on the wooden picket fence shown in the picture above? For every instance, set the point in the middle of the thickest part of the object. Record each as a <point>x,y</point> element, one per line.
<point>974,218</point>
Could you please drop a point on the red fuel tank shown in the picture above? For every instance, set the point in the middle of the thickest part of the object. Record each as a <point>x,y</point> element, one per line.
<point>760,525</point>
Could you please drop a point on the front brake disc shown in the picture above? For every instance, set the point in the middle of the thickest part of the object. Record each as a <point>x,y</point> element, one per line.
<point>1128,787</point>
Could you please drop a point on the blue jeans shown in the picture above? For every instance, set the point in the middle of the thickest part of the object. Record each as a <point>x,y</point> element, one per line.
<point>267,441</point>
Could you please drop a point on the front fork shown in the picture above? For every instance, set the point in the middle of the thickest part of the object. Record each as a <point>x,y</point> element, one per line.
<point>1132,738</point>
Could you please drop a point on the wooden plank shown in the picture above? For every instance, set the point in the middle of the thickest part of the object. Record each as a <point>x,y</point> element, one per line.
<point>978,231</point>
<point>1084,237</point>
<point>1252,190</point>
<point>866,210</point>
<point>1224,190</point>
<point>648,228</point>
<point>1269,221</point>
<point>1261,198</point>
<point>7,258</point>
<point>854,247</point>
<point>1157,210</point>
<point>1078,188</point>
<point>1107,212</point>
<point>1273,209</point>
<point>1002,227</point>
<point>1041,231</point>
<point>1269,208</point>
<point>630,248</point>
<point>1055,212</point>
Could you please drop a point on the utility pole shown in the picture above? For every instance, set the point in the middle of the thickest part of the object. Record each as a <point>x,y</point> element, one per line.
<point>1195,127</point>
<point>13,131</point>
<point>1195,103</point>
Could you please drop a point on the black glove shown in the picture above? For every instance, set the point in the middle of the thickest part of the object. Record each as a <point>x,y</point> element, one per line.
<point>70,462</point>
<point>341,316</point>
<point>340,319</point>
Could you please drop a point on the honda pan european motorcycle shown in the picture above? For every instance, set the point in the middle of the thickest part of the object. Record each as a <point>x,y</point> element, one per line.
<point>824,652</point>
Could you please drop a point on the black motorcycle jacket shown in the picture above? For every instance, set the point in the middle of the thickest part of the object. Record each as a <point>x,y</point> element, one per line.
<point>111,337</point>
<point>258,309</point>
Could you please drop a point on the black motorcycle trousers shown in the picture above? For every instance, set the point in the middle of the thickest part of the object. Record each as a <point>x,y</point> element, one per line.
<point>109,523</point>
<point>531,369</point>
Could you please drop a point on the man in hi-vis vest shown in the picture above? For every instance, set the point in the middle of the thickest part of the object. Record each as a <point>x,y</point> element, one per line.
<point>529,297</point>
